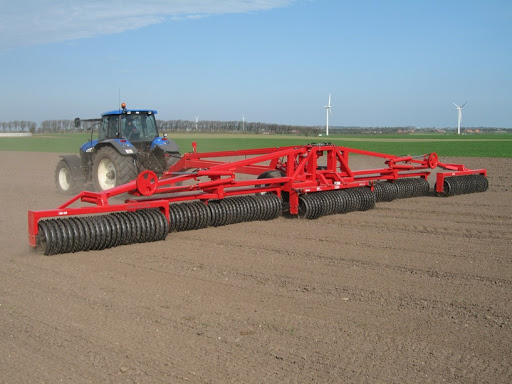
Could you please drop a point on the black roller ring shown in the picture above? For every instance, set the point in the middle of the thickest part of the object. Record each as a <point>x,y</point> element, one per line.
<point>270,208</point>
<point>86,233</point>
<point>344,201</point>
<point>370,198</point>
<point>324,204</point>
<point>262,207</point>
<point>153,225</point>
<point>54,237</point>
<point>123,231</point>
<point>274,206</point>
<point>353,201</point>
<point>127,226</point>
<point>239,209</point>
<point>226,214</point>
<point>57,236</point>
<point>315,206</point>
<point>393,191</point>
<point>255,213</point>
<point>303,207</point>
<point>176,217</point>
<point>277,206</point>
<point>100,232</point>
<point>172,218</point>
<point>183,219</point>
<point>76,241</point>
<point>196,218</point>
<point>202,215</point>
<point>229,209</point>
<point>207,214</point>
<point>137,227</point>
<point>164,224</point>
<point>233,212</point>
<point>339,201</point>
<point>61,235</point>
<point>79,235</point>
<point>214,214</point>
<point>483,183</point>
<point>107,233</point>
<point>44,239</point>
<point>68,236</point>
<point>70,232</point>
<point>192,218</point>
<point>450,186</point>
<point>249,208</point>
<point>221,214</point>
<point>401,189</point>
<point>367,199</point>
<point>93,232</point>
<point>114,235</point>
<point>144,227</point>
<point>379,192</point>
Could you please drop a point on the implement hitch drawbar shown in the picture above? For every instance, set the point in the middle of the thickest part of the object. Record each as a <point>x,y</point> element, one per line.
<point>220,188</point>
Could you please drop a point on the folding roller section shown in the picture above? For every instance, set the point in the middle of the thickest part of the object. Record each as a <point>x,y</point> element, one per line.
<point>459,185</point>
<point>401,189</point>
<point>74,234</point>
<point>314,205</point>
<point>231,210</point>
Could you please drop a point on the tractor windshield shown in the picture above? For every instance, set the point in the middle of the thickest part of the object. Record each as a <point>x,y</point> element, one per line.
<point>134,126</point>
<point>139,127</point>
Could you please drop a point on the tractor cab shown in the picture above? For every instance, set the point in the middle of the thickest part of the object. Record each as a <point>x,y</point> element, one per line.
<point>136,126</point>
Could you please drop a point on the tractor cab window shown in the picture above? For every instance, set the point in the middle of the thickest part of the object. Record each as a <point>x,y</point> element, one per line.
<point>139,127</point>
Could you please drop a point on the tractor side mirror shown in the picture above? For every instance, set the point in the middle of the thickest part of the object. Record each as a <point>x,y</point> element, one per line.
<point>77,122</point>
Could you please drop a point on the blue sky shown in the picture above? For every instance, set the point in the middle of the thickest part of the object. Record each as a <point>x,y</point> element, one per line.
<point>386,63</point>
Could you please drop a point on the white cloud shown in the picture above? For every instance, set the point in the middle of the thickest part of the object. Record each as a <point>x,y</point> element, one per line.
<point>33,22</point>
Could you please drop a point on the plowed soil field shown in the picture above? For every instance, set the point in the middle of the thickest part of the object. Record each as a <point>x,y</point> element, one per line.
<point>414,291</point>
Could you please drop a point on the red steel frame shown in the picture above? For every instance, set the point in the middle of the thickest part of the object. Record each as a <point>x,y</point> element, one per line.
<point>211,176</point>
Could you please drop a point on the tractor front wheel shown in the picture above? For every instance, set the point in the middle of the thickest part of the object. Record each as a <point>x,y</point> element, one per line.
<point>111,169</point>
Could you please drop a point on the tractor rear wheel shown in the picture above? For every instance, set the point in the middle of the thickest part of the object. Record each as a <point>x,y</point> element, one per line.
<point>111,169</point>
<point>64,180</point>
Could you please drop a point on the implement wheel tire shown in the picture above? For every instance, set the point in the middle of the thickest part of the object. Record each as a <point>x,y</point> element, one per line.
<point>111,169</point>
<point>64,180</point>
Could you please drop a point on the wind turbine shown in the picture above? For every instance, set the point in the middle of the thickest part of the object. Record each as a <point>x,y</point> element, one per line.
<point>328,112</point>
<point>243,122</point>
<point>459,109</point>
<point>197,119</point>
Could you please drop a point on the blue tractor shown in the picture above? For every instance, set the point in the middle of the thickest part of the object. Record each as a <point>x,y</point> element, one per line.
<point>128,142</point>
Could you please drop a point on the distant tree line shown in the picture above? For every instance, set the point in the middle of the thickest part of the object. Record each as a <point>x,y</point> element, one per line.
<point>68,126</point>
<point>169,126</point>
<point>18,126</point>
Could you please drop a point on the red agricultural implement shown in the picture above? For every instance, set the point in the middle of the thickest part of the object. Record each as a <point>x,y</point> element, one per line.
<point>220,188</point>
